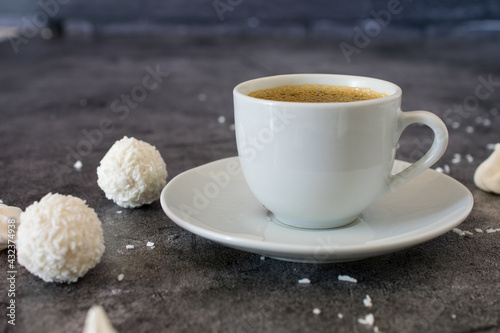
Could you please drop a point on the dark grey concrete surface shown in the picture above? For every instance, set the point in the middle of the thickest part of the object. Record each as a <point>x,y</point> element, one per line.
<point>53,92</point>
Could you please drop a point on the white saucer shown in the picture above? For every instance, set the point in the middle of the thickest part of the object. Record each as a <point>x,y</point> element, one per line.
<point>214,202</point>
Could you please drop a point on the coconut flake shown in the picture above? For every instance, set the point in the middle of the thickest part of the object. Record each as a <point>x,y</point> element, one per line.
<point>456,158</point>
<point>368,320</point>
<point>368,301</point>
<point>305,281</point>
<point>129,247</point>
<point>316,311</point>
<point>347,278</point>
<point>150,244</point>
<point>479,230</point>
<point>78,165</point>
<point>120,277</point>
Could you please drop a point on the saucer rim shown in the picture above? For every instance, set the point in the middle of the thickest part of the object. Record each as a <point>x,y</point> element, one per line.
<point>294,251</point>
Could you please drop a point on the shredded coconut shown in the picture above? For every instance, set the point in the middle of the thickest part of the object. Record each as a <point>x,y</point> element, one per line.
<point>340,315</point>
<point>479,230</point>
<point>119,212</point>
<point>120,277</point>
<point>316,311</point>
<point>347,278</point>
<point>129,247</point>
<point>490,230</point>
<point>304,281</point>
<point>456,158</point>
<point>60,238</point>
<point>368,301</point>
<point>368,320</point>
<point>462,232</point>
<point>150,244</point>
<point>132,173</point>
<point>78,165</point>
<point>469,158</point>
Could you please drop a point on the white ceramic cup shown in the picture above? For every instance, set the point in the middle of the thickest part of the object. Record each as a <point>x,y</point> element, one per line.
<point>319,165</point>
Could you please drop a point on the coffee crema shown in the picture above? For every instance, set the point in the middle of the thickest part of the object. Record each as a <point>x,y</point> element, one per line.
<point>316,93</point>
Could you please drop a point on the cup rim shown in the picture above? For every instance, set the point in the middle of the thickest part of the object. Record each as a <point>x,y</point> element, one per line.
<point>398,92</point>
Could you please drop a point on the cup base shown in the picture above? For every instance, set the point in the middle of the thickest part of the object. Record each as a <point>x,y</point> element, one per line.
<point>327,224</point>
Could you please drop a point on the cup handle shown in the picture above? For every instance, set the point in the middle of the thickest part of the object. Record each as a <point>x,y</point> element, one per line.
<point>433,154</point>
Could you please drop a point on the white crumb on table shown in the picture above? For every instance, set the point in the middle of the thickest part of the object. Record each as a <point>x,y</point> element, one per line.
<point>221,119</point>
<point>486,122</point>
<point>368,301</point>
<point>1,201</point>
<point>456,158</point>
<point>119,211</point>
<point>232,127</point>
<point>469,129</point>
<point>316,311</point>
<point>490,146</point>
<point>469,158</point>
<point>262,258</point>
<point>446,168</point>
<point>129,247</point>
<point>439,169</point>
<point>479,230</point>
<point>454,316</point>
<point>78,165</point>
<point>462,233</point>
<point>490,230</point>
<point>455,125</point>
<point>340,315</point>
<point>304,281</point>
<point>347,278</point>
<point>368,320</point>
<point>120,277</point>
<point>150,244</point>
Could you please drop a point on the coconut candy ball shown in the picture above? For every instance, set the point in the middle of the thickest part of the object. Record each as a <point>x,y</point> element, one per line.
<point>60,238</point>
<point>132,173</point>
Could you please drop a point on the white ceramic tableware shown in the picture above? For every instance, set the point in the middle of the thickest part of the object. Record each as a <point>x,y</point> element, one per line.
<point>215,202</point>
<point>319,165</point>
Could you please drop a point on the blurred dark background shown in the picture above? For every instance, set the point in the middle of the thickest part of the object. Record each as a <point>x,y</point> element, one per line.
<point>450,18</point>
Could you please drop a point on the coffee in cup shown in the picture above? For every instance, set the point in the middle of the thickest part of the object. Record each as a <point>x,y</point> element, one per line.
<point>316,93</point>
<point>320,164</point>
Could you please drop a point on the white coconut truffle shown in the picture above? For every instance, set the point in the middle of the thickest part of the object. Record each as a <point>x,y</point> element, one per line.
<point>60,238</point>
<point>9,220</point>
<point>132,173</point>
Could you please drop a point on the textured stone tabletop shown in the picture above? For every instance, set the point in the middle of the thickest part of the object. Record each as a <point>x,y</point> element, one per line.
<point>70,99</point>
